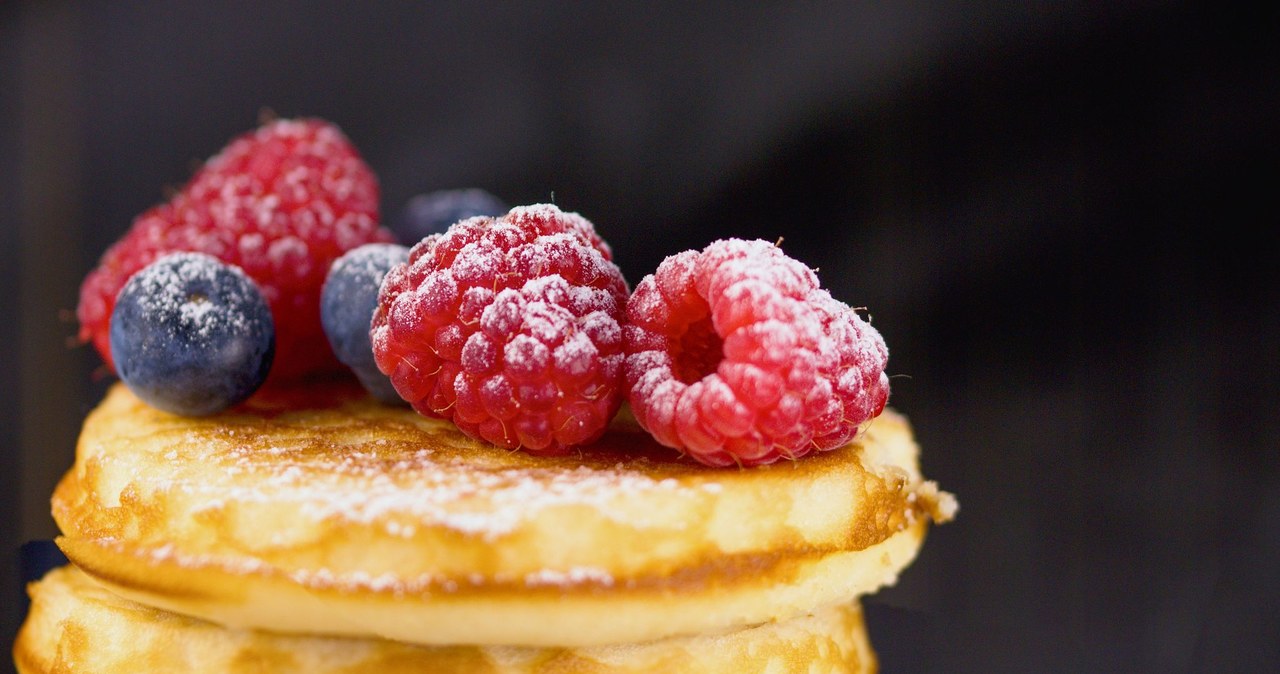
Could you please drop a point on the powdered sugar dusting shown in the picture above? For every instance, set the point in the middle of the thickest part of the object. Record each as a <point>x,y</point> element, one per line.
<point>415,489</point>
<point>577,575</point>
<point>183,291</point>
<point>196,311</point>
<point>575,356</point>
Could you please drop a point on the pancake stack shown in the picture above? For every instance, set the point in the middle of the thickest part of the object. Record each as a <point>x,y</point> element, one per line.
<point>313,529</point>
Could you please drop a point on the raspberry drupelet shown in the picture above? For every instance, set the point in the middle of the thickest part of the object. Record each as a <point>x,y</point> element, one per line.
<point>510,327</point>
<point>735,355</point>
<point>281,202</point>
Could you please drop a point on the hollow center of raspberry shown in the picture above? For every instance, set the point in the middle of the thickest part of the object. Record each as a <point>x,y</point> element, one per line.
<point>698,351</point>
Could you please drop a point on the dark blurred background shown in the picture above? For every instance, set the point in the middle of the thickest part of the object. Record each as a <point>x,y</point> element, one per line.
<point>1061,215</point>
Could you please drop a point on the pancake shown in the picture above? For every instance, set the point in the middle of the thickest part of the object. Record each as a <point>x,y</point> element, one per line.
<point>318,510</point>
<point>76,626</point>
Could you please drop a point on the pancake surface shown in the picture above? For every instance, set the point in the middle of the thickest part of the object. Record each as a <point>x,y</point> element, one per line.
<point>76,626</point>
<point>319,510</point>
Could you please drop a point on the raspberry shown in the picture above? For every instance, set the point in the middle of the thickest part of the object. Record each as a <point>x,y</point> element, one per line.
<point>735,355</point>
<point>509,327</point>
<point>282,203</point>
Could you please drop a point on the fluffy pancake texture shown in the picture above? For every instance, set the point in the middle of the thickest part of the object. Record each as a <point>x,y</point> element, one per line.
<point>75,625</point>
<point>319,510</point>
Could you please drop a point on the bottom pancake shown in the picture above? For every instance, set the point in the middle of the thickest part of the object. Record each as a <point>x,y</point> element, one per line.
<point>75,625</point>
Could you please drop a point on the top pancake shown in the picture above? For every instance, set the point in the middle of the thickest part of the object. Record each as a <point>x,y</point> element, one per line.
<point>319,509</point>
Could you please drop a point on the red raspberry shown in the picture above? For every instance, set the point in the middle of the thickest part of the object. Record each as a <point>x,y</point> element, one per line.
<point>736,355</point>
<point>282,203</point>
<point>509,327</point>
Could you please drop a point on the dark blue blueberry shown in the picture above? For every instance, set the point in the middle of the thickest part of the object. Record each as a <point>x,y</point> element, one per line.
<point>433,212</point>
<point>347,301</point>
<point>192,335</point>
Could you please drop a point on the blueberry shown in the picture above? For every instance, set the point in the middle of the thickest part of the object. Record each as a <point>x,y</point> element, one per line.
<point>347,301</point>
<point>192,335</point>
<point>433,212</point>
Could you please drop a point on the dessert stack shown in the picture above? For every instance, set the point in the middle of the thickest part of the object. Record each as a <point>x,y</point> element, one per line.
<point>533,468</point>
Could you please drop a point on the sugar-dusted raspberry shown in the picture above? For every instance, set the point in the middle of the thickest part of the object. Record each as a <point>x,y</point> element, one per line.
<point>509,327</point>
<point>735,355</point>
<point>282,203</point>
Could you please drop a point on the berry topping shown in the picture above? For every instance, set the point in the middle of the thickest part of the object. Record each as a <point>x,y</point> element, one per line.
<point>510,327</point>
<point>433,212</point>
<point>735,355</point>
<point>191,335</point>
<point>282,203</point>
<point>347,302</point>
